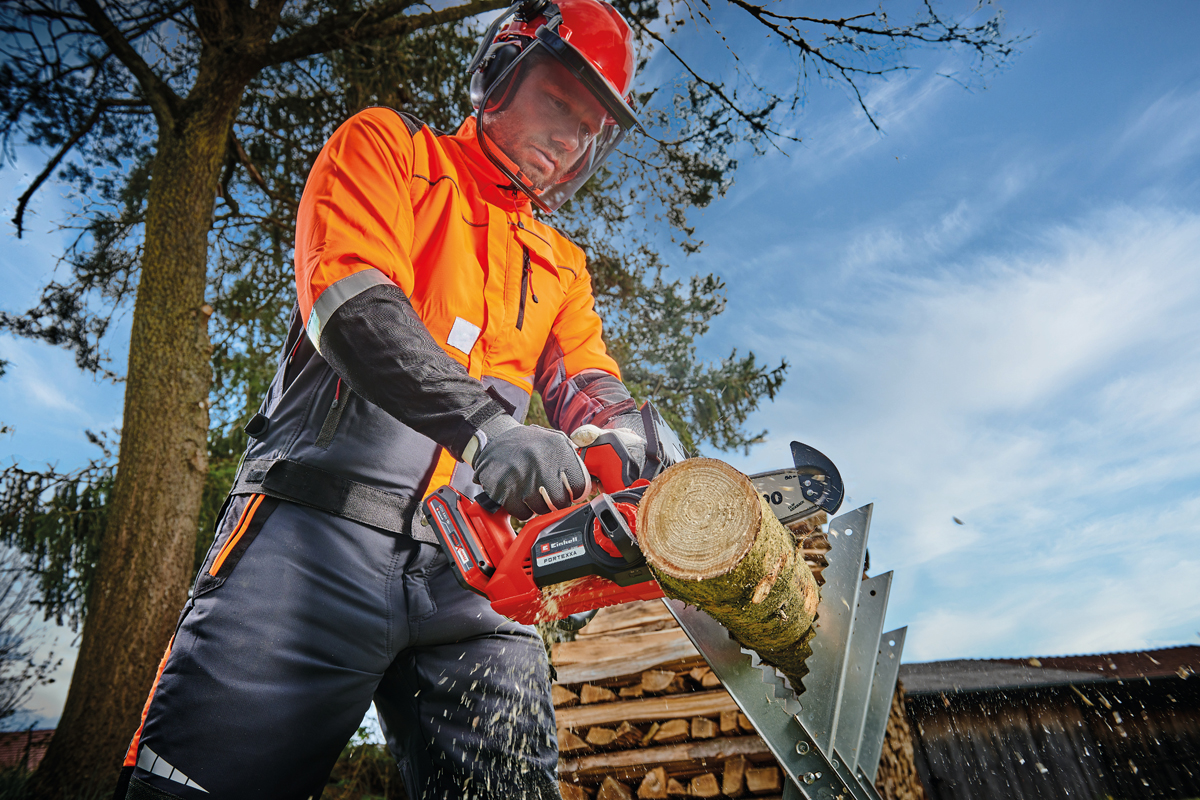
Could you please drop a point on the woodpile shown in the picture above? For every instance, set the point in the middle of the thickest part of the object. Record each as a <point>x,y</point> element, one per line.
<point>640,714</point>
<point>897,778</point>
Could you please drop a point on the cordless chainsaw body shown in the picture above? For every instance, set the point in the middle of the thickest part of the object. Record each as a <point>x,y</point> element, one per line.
<point>586,557</point>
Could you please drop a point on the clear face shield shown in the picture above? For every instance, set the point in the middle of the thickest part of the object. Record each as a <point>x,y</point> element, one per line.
<point>549,121</point>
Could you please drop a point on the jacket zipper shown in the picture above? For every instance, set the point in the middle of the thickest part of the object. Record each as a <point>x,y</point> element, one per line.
<point>526,284</point>
<point>333,418</point>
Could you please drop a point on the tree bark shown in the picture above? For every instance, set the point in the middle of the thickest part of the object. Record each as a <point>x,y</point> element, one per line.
<point>712,541</point>
<point>147,555</point>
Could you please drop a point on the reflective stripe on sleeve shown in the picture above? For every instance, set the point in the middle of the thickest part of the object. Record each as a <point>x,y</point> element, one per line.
<point>338,293</point>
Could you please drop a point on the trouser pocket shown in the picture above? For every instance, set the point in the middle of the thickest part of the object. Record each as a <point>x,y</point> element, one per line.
<point>228,549</point>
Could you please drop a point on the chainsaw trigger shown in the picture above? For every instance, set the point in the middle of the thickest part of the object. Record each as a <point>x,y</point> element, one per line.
<point>485,502</point>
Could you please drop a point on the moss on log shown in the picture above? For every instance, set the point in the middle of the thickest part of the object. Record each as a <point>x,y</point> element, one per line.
<point>714,543</point>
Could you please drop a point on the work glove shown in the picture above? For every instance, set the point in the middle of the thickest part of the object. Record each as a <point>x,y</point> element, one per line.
<point>634,441</point>
<point>528,469</point>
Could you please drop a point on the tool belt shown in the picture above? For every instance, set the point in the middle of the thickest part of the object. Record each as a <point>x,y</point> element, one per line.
<point>326,491</point>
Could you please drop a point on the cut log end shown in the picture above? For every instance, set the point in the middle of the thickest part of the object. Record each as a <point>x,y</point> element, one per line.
<point>698,519</point>
<point>612,789</point>
<point>589,694</point>
<point>711,541</point>
<point>571,791</point>
<point>704,786</point>
<point>763,780</point>
<point>654,785</point>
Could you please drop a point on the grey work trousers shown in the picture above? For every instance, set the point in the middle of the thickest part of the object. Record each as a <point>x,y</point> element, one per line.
<point>308,618</point>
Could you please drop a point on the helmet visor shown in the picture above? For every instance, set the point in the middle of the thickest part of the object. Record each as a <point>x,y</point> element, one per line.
<point>548,123</point>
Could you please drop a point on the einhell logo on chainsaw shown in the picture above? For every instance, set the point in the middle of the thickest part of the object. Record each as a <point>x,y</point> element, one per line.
<point>560,549</point>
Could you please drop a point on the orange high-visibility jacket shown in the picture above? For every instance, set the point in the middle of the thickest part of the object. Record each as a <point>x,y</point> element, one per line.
<point>428,213</point>
<point>393,206</point>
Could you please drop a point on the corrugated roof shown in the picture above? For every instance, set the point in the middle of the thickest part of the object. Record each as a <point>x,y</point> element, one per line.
<point>973,675</point>
<point>23,748</point>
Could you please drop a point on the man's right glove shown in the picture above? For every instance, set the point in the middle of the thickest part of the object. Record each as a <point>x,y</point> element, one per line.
<point>525,468</point>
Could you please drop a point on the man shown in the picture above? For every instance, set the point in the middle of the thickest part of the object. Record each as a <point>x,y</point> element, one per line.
<point>431,304</point>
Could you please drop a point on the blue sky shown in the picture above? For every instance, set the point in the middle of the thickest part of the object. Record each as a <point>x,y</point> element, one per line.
<point>990,312</point>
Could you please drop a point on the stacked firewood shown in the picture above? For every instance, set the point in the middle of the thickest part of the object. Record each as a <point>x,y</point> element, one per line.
<point>813,543</point>
<point>897,778</point>
<point>640,714</point>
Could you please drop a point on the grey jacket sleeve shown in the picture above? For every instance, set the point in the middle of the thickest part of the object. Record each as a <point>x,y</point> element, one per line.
<point>379,346</point>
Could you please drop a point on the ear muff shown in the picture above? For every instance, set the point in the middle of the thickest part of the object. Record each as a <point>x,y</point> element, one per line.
<point>499,58</point>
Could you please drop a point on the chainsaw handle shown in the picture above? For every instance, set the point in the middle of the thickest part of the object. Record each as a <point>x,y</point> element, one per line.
<point>494,525</point>
<point>608,461</point>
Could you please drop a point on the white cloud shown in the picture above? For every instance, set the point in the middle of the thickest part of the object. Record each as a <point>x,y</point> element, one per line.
<point>45,704</point>
<point>47,396</point>
<point>1164,133</point>
<point>49,403</point>
<point>1124,583</point>
<point>1049,399</point>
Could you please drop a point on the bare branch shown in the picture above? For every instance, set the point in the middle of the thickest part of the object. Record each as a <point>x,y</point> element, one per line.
<point>252,170</point>
<point>754,121</point>
<point>53,163</point>
<point>162,98</point>
<point>256,176</point>
<point>385,20</point>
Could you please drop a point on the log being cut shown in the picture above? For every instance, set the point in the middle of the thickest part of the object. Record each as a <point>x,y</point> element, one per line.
<point>713,542</point>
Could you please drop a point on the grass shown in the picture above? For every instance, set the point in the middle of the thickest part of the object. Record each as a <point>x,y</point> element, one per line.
<point>364,771</point>
<point>14,779</point>
<point>12,783</point>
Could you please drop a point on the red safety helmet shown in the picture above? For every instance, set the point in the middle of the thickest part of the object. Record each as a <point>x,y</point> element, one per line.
<point>550,83</point>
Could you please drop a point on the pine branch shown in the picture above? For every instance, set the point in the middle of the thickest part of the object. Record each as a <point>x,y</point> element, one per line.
<point>161,97</point>
<point>52,164</point>
<point>384,20</point>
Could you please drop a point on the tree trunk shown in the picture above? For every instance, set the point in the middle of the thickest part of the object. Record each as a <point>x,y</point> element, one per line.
<point>147,553</point>
<point>713,542</point>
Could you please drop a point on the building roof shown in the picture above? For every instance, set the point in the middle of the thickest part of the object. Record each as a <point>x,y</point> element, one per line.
<point>975,675</point>
<point>23,748</point>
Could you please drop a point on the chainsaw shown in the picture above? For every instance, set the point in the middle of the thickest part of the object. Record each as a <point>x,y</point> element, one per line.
<point>570,563</point>
<point>585,557</point>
